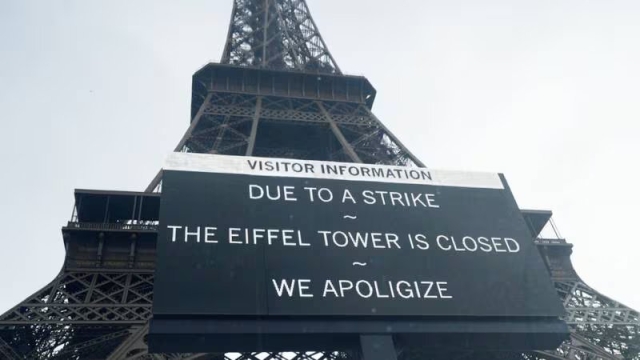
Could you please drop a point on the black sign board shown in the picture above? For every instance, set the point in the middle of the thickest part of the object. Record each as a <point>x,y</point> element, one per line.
<point>275,238</point>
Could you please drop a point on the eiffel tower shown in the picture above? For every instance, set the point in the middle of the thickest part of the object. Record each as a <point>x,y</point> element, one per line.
<point>278,92</point>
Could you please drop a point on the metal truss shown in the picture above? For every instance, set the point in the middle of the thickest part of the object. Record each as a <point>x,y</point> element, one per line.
<point>223,127</point>
<point>79,315</point>
<point>586,306</point>
<point>578,348</point>
<point>602,328</point>
<point>227,123</point>
<point>276,34</point>
<point>88,298</point>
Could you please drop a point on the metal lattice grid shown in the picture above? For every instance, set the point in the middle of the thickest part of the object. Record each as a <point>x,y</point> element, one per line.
<point>278,34</point>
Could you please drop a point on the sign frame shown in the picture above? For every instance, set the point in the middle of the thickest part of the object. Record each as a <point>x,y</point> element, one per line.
<point>275,331</point>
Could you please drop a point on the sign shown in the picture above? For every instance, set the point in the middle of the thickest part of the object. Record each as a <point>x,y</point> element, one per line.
<point>278,237</point>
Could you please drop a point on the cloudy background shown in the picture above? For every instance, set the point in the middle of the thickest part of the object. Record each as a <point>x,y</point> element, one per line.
<point>94,94</point>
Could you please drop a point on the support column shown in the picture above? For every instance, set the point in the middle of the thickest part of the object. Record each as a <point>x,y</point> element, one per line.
<point>196,119</point>
<point>394,138</point>
<point>194,123</point>
<point>135,341</point>
<point>254,127</point>
<point>336,131</point>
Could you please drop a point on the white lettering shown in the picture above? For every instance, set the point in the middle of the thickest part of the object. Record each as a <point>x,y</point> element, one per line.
<point>209,233</point>
<point>284,286</point>
<point>174,229</point>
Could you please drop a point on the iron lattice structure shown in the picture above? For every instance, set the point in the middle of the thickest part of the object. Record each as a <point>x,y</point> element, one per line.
<point>278,92</point>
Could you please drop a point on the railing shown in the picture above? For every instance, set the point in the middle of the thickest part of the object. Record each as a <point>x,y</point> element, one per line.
<point>152,226</point>
<point>550,235</point>
<point>544,241</point>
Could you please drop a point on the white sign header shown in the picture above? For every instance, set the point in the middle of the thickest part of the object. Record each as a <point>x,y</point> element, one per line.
<point>277,167</point>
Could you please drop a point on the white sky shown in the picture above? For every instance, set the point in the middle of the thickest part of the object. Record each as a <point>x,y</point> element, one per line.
<point>94,94</point>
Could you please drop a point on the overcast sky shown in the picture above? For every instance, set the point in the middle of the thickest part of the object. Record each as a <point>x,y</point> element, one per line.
<point>94,94</point>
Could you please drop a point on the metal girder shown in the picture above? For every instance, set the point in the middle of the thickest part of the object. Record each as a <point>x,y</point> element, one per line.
<point>87,298</point>
<point>221,125</point>
<point>229,123</point>
<point>276,34</point>
<point>91,344</point>
<point>346,146</point>
<point>586,306</point>
<point>579,348</point>
<point>254,127</point>
<point>602,328</point>
<point>133,346</point>
<point>48,341</point>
